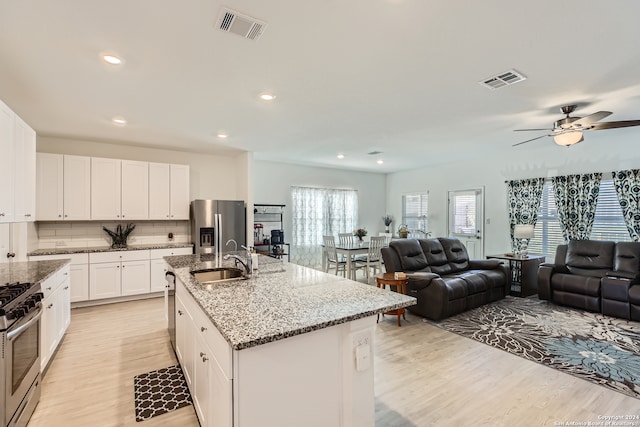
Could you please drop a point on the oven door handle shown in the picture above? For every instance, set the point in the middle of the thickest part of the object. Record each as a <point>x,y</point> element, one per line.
<point>17,331</point>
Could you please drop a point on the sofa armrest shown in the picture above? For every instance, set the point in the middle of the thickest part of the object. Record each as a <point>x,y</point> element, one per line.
<point>420,280</point>
<point>484,264</point>
<point>545,271</point>
<point>624,275</point>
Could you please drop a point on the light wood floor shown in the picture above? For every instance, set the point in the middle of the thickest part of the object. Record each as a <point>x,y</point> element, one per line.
<point>424,377</point>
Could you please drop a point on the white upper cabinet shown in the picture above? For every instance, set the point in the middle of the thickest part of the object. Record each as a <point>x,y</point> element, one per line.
<point>179,192</point>
<point>168,191</point>
<point>105,188</point>
<point>6,163</point>
<point>25,172</point>
<point>135,190</point>
<point>77,187</point>
<point>63,187</point>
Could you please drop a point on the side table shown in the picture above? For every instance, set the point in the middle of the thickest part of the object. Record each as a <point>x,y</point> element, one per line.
<point>524,272</point>
<point>389,279</point>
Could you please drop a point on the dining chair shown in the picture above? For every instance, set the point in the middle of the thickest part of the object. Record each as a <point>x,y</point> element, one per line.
<point>345,238</point>
<point>332,256</point>
<point>373,258</point>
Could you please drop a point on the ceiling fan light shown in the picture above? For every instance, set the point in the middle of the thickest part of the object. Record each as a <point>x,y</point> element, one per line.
<point>568,138</point>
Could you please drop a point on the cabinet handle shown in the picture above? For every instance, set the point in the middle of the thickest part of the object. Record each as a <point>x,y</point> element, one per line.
<point>27,215</point>
<point>66,215</point>
<point>204,357</point>
<point>1,213</point>
<point>202,329</point>
<point>66,287</point>
<point>167,215</point>
<point>49,288</point>
<point>122,216</point>
<point>11,254</point>
<point>66,273</point>
<point>50,305</point>
<point>180,312</point>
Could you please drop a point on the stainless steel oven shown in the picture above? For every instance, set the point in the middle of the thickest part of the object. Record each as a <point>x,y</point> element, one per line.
<point>20,364</point>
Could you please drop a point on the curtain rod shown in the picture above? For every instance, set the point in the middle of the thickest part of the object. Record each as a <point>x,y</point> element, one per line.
<point>322,188</point>
<point>546,178</point>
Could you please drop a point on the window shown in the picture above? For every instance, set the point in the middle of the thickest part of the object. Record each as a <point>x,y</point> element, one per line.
<point>415,211</point>
<point>463,214</point>
<point>608,223</point>
<point>322,211</point>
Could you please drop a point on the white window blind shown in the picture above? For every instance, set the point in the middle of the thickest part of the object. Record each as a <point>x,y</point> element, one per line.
<point>608,223</point>
<point>415,211</point>
<point>464,213</point>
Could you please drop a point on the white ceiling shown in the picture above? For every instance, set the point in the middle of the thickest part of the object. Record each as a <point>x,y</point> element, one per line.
<point>397,76</point>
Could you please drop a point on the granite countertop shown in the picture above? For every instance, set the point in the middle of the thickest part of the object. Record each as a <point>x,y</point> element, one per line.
<point>29,271</point>
<point>64,250</point>
<point>280,300</point>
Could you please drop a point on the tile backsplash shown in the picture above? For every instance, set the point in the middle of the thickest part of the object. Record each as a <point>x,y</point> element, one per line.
<point>90,233</point>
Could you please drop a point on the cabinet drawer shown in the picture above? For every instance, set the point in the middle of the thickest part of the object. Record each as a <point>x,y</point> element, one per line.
<point>160,253</point>
<point>76,259</point>
<point>117,256</point>
<point>50,285</point>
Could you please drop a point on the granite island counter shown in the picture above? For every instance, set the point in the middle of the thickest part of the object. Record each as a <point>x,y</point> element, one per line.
<point>290,346</point>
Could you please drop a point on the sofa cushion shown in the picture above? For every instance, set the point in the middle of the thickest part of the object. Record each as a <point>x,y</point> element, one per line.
<point>410,253</point>
<point>494,278</point>
<point>456,253</point>
<point>590,257</point>
<point>576,284</point>
<point>436,256</point>
<point>456,287</point>
<point>634,295</point>
<point>476,283</point>
<point>626,258</point>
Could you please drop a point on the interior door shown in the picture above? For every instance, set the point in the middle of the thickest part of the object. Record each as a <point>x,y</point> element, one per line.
<point>466,219</point>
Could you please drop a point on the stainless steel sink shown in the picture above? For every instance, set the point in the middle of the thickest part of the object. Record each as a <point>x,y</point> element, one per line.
<point>208,275</point>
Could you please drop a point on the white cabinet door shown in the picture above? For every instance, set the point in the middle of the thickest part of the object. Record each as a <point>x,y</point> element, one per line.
<point>104,280</point>
<point>25,171</point>
<point>159,178</point>
<point>221,397</point>
<point>47,330</point>
<point>6,163</point>
<point>135,190</point>
<point>105,188</point>
<point>201,378</point>
<point>65,302</point>
<point>49,187</point>
<point>79,283</point>
<point>185,340</point>
<point>179,192</point>
<point>77,187</point>
<point>135,277</point>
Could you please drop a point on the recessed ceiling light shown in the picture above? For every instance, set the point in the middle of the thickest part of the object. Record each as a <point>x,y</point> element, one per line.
<point>119,121</point>
<point>222,135</point>
<point>267,96</point>
<point>340,156</point>
<point>380,162</point>
<point>112,59</point>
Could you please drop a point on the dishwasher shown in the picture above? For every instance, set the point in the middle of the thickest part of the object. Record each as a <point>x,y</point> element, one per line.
<point>170,306</point>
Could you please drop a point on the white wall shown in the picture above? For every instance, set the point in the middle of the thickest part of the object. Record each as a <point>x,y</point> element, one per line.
<point>537,159</point>
<point>212,176</point>
<point>273,181</point>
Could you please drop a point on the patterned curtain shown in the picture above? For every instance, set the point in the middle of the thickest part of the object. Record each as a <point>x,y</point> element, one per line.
<point>576,200</point>
<point>628,189</point>
<point>524,201</point>
<point>319,212</point>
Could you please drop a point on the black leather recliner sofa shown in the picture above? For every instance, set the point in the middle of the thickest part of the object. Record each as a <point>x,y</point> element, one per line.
<point>593,275</point>
<point>443,278</point>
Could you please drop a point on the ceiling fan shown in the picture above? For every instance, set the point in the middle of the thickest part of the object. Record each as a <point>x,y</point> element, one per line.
<point>568,130</point>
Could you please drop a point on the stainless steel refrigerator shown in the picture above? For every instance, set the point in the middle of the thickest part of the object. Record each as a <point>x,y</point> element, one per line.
<point>214,222</point>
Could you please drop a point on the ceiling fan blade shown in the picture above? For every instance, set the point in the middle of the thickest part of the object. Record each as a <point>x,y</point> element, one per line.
<point>527,130</point>
<point>613,125</point>
<point>529,140</point>
<point>591,118</point>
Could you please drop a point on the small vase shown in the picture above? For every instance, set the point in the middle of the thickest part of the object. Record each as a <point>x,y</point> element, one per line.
<point>360,239</point>
<point>386,229</point>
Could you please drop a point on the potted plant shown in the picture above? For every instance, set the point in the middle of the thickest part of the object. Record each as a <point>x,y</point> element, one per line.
<point>360,232</point>
<point>387,219</point>
<point>403,231</point>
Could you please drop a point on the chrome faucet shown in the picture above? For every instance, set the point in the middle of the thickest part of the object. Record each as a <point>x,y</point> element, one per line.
<point>234,242</point>
<point>246,263</point>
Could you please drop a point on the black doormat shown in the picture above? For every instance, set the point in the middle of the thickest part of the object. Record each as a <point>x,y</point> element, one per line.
<point>598,348</point>
<point>161,391</point>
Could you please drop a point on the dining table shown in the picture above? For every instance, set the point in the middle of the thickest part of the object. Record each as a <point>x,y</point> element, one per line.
<point>350,251</point>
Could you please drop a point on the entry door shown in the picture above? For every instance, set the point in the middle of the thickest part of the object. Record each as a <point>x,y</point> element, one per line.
<point>466,219</point>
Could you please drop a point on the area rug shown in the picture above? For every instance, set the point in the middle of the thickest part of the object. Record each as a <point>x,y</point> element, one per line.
<point>159,392</point>
<point>601,349</point>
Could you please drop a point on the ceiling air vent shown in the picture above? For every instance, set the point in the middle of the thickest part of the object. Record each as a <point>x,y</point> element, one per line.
<point>231,21</point>
<point>374,153</point>
<point>504,79</point>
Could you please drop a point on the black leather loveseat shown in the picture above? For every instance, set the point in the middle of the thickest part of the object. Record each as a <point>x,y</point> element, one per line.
<point>593,275</point>
<point>443,278</point>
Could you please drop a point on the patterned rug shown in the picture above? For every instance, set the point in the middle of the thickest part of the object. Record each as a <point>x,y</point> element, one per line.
<point>601,349</point>
<point>159,392</point>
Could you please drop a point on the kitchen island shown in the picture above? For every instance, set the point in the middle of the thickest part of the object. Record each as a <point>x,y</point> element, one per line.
<point>290,346</point>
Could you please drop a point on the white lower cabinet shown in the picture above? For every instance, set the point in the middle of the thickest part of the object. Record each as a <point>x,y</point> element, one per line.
<point>121,273</point>
<point>159,266</point>
<point>56,314</point>
<point>205,358</point>
<point>79,272</point>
